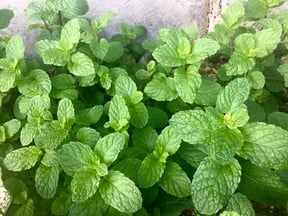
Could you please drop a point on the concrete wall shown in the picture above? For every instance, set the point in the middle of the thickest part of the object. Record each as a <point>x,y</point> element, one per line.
<point>153,14</point>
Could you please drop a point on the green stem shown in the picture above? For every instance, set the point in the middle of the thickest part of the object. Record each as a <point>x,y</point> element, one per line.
<point>47,26</point>
<point>80,94</point>
<point>279,79</point>
<point>60,18</point>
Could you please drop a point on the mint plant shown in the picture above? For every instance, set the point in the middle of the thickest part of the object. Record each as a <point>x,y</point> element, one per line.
<point>129,126</point>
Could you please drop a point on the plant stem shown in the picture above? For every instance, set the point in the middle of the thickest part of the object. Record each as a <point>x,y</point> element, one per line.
<point>279,79</point>
<point>230,45</point>
<point>47,26</point>
<point>80,94</point>
<point>60,18</point>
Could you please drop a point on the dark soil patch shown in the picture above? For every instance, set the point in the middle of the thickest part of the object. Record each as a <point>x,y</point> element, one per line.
<point>260,210</point>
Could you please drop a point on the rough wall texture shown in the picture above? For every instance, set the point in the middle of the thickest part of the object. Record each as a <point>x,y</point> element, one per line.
<point>153,14</point>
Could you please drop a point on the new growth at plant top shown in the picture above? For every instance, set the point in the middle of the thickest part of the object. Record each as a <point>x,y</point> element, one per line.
<point>129,126</point>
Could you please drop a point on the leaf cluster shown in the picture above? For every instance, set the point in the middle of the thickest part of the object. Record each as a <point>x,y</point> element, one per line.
<point>128,126</point>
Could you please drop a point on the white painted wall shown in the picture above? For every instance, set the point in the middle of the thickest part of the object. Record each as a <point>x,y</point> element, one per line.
<point>153,14</point>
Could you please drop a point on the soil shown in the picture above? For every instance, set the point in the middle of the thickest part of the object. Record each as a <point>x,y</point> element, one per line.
<point>260,210</point>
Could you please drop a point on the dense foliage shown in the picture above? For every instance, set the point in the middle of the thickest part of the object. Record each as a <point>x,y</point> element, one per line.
<point>144,127</point>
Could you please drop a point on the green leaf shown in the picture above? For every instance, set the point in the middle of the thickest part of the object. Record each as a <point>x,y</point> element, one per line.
<point>207,93</point>
<point>81,65</point>
<point>192,126</point>
<point>175,181</point>
<point>169,141</point>
<point>115,51</point>
<point>44,45</point>
<point>61,204</point>
<point>50,158</point>
<point>245,44</point>
<point>202,48</point>
<point>5,17</point>
<point>99,49</point>
<point>84,184</point>
<point>89,116</point>
<point>183,47</point>
<point>129,167</point>
<point>102,21</point>
<point>238,118</point>
<point>40,11</point>
<point>239,64</point>
<point>87,81</point>
<point>279,119</point>
<point>46,181</point>
<point>222,35</point>
<point>255,10</point>
<point>139,115</point>
<point>50,135</point>
<point>72,156</point>
<point>265,145</point>
<point>241,205</point>
<point>65,112</point>
<point>26,209</point>
<point>36,107</point>
<point>105,76</point>
<point>12,127</point>
<point>150,45</point>
<point>15,48</point>
<point>120,192</point>
<point>91,207</point>
<point>88,136</point>
<point>263,185</point>
<point>64,4</point>
<point>126,87</point>
<point>168,56</point>
<point>283,70</point>
<point>118,114</point>
<point>213,184</point>
<point>233,95</point>
<point>8,64</point>
<point>157,117</point>
<point>108,147</point>
<point>233,15</point>
<point>150,171</point>
<point>18,190</point>
<point>192,154</point>
<point>224,143</point>
<point>273,85</point>
<point>69,93</point>
<point>22,158</point>
<point>161,88</point>
<point>272,3</point>
<point>63,81</point>
<point>172,36</point>
<point>36,83</point>
<point>133,32</point>
<point>55,56</point>
<point>80,8</point>
<point>281,17</point>
<point>256,79</point>
<point>7,79</point>
<point>268,39</point>
<point>2,134</point>
<point>70,34</point>
<point>187,83</point>
<point>174,206</point>
<point>144,138</point>
<point>27,134</point>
